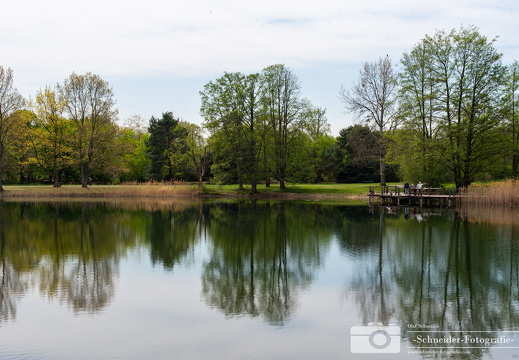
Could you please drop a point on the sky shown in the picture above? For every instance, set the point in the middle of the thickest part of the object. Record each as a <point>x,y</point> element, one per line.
<point>157,55</point>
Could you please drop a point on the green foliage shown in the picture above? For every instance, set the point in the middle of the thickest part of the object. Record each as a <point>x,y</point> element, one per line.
<point>232,111</point>
<point>451,85</point>
<point>135,158</point>
<point>89,102</point>
<point>163,145</point>
<point>510,114</point>
<point>356,155</point>
<point>260,128</point>
<point>10,125</point>
<point>457,121</point>
<point>414,164</point>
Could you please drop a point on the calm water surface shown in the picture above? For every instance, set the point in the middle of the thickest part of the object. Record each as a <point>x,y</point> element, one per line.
<point>262,280</point>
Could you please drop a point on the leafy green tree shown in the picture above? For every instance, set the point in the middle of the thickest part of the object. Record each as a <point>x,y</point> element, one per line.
<point>315,124</point>
<point>356,154</point>
<point>314,120</point>
<point>454,81</point>
<point>222,110</point>
<point>282,104</point>
<point>413,148</point>
<point>10,102</point>
<point>52,133</point>
<point>135,159</point>
<point>90,105</point>
<point>197,151</point>
<point>231,108</point>
<point>322,158</point>
<point>301,165</point>
<point>510,109</point>
<point>21,163</point>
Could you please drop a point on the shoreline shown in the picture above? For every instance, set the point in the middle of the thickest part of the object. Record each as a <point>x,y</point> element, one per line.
<point>164,192</point>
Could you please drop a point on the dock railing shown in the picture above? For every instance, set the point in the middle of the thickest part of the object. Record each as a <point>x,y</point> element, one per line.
<point>427,196</point>
<point>398,190</point>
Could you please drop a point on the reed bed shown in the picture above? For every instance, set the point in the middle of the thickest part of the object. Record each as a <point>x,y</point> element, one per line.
<point>498,193</point>
<point>102,191</point>
<point>497,215</point>
<point>178,204</point>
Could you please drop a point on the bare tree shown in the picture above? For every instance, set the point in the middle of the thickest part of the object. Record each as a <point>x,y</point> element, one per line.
<point>10,102</point>
<point>373,101</point>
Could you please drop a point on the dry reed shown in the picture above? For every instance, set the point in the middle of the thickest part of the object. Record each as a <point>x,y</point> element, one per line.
<point>104,191</point>
<point>498,193</point>
<point>497,215</point>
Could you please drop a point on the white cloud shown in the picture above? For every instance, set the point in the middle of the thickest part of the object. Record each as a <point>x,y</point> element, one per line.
<point>44,41</point>
<point>187,38</point>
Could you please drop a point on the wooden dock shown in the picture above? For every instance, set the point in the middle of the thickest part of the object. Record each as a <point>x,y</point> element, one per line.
<point>427,197</point>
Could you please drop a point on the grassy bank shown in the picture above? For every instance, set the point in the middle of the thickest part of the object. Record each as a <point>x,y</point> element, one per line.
<point>297,190</point>
<point>293,191</point>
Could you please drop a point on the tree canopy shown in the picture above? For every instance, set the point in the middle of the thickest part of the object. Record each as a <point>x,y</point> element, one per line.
<point>447,113</point>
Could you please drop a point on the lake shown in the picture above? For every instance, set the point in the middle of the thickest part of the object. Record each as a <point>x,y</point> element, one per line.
<point>227,279</point>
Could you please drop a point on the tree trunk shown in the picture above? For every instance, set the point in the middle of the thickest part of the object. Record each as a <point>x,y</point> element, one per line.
<point>55,174</point>
<point>200,179</point>
<point>84,179</point>
<point>1,167</point>
<point>382,166</point>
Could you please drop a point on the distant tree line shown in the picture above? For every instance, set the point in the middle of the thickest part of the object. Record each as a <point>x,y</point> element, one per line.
<point>446,114</point>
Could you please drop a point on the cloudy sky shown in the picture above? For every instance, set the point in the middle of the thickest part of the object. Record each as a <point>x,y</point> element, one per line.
<point>158,54</point>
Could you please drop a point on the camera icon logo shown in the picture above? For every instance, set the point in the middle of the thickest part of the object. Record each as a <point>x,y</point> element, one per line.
<point>375,338</point>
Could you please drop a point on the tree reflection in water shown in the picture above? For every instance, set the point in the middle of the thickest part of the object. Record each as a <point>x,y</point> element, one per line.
<point>459,276</point>
<point>262,255</point>
<point>458,270</point>
<point>71,255</point>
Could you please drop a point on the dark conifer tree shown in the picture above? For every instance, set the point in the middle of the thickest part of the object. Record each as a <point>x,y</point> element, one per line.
<point>161,146</point>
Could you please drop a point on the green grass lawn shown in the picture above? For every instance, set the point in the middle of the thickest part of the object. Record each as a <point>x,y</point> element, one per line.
<point>326,189</point>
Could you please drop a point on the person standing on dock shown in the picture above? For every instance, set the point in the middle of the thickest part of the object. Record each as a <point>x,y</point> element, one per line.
<point>419,187</point>
<point>406,188</point>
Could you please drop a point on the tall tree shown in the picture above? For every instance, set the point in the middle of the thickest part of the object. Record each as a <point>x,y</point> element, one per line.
<point>53,130</point>
<point>21,164</point>
<point>135,135</point>
<point>419,105</point>
<point>511,113</point>
<point>316,125</point>
<point>10,102</point>
<point>372,99</point>
<point>451,87</point>
<point>197,151</point>
<point>314,120</point>
<point>254,126</point>
<point>282,105</point>
<point>356,154</point>
<point>231,107</point>
<point>90,104</point>
<point>163,145</point>
<point>469,73</point>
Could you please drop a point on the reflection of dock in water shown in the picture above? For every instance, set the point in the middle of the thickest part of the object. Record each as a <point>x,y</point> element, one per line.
<point>395,196</point>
